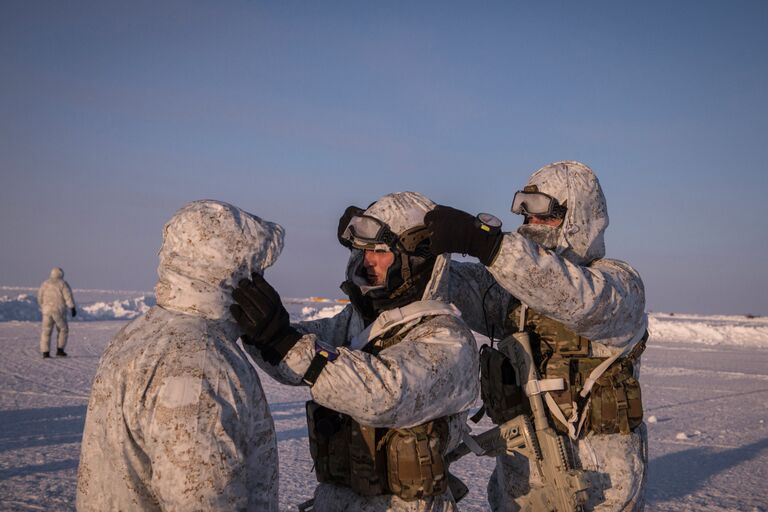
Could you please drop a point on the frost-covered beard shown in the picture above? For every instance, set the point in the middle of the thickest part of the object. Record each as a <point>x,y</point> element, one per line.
<point>545,236</point>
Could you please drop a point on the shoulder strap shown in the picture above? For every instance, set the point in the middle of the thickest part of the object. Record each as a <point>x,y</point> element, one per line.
<point>398,316</point>
<point>639,337</point>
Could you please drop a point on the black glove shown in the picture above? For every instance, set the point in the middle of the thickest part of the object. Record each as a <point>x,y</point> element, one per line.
<point>260,314</point>
<point>351,211</point>
<point>73,311</point>
<point>453,230</point>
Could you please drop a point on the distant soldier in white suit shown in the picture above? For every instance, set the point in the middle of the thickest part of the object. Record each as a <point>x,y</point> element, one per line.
<point>54,298</point>
<point>177,418</point>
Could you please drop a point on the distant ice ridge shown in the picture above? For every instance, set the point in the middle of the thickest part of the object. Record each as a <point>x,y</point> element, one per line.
<point>314,313</point>
<point>708,330</point>
<point>21,307</point>
<point>24,307</point>
<point>665,328</point>
<point>127,309</point>
<point>127,305</point>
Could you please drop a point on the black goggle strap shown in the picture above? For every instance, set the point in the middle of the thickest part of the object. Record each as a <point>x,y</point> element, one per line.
<point>411,238</point>
<point>409,242</point>
<point>405,268</point>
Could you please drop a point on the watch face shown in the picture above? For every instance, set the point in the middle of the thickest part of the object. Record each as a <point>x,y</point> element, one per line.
<point>489,220</point>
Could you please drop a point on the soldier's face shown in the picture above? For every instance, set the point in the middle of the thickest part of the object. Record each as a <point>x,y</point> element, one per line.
<point>376,264</point>
<point>545,221</point>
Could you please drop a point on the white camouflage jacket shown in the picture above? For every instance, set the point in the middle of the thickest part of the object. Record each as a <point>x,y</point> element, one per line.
<point>177,418</point>
<point>431,373</point>
<point>598,298</point>
<point>55,296</point>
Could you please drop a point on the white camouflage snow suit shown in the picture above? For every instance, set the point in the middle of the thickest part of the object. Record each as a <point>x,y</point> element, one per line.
<point>600,299</point>
<point>55,299</point>
<point>177,418</point>
<point>431,373</point>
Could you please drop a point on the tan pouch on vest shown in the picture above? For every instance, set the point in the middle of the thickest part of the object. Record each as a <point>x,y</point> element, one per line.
<point>415,464</point>
<point>615,403</point>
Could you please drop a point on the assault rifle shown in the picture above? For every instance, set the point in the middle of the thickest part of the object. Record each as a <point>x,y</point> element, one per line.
<point>564,489</point>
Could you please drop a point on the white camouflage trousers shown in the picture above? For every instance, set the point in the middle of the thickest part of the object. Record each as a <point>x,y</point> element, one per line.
<point>49,320</point>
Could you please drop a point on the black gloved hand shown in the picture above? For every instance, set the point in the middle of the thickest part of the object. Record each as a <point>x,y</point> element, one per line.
<point>351,211</point>
<point>261,315</point>
<point>453,230</point>
<point>73,311</point>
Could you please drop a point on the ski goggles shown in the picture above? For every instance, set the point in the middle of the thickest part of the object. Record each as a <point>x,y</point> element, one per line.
<point>366,232</point>
<point>536,203</point>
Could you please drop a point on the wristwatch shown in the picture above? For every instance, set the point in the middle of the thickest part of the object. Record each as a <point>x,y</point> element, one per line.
<point>488,223</point>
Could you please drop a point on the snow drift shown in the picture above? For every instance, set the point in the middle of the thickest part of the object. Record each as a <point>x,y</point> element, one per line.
<point>745,331</point>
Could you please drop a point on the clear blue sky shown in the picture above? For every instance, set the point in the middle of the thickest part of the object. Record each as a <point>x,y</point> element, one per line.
<point>113,115</point>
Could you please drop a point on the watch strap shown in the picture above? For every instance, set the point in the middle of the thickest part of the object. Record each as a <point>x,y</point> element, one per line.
<point>316,366</point>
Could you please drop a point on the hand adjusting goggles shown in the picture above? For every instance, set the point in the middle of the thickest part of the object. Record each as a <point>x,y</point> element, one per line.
<point>366,232</point>
<point>535,203</point>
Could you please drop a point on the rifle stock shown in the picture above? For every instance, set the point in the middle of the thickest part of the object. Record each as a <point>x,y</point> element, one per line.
<point>515,435</point>
<point>564,488</point>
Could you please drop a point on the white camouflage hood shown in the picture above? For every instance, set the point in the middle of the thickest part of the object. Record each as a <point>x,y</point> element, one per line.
<point>208,246</point>
<point>402,211</point>
<point>575,185</point>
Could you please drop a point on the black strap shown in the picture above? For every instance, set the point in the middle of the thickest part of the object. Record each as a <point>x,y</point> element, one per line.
<point>315,367</point>
<point>475,418</point>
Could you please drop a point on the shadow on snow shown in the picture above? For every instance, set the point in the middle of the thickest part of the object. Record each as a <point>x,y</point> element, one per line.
<point>51,467</point>
<point>26,428</point>
<point>685,472</point>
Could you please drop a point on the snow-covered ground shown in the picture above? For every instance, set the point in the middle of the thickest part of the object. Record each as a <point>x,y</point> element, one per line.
<point>705,388</point>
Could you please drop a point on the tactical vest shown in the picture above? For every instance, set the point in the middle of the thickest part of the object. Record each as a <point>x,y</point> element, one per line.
<point>614,404</point>
<point>371,461</point>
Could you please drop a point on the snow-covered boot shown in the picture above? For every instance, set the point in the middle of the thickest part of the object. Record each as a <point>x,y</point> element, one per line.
<point>60,352</point>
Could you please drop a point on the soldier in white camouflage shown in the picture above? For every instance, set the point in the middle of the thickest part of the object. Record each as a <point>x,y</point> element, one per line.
<point>581,310</point>
<point>177,418</point>
<point>54,298</point>
<point>391,376</point>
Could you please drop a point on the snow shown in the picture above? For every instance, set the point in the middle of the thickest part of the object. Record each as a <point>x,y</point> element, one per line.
<point>705,388</point>
<point>665,328</point>
<point>745,331</point>
<point>91,304</point>
<point>310,313</point>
